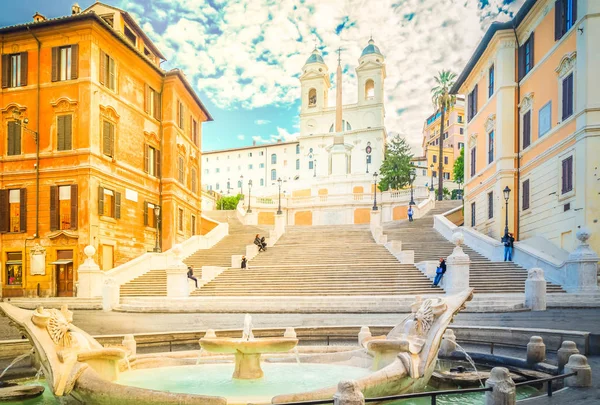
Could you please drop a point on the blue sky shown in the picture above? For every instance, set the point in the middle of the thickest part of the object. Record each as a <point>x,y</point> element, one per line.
<point>244,56</point>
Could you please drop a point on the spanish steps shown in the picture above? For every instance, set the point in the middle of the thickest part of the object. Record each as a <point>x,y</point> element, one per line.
<point>154,282</point>
<point>486,276</point>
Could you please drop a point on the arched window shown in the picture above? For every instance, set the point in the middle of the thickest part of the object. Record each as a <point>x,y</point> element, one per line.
<point>298,149</point>
<point>262,182</point>
<point>273,159</point>
<point>297,164</point>
<point>239,183</point>
<point>345,126</point>
<point>369,90</point>
<point>273,174</point>
<point>312,97</point>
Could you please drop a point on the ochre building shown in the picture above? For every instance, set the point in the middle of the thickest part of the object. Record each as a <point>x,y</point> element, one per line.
<point>95,141</point>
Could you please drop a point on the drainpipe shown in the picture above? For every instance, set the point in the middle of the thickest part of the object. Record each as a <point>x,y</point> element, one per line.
<point>37,140</point>
<point>517,194</point>
<point>159,227</point>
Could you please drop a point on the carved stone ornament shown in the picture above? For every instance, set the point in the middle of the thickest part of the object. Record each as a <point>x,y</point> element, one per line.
<point>567,63</point>
<point>473,140</point>
<point>37,256</point>
<point>181,146</point>
<point>527,102</point>
<point>535,274</point>
<point>11,108</point>
<point>151,138</point>
<point>490,123</point>
<point>64,104</point>
<point>109,112</point>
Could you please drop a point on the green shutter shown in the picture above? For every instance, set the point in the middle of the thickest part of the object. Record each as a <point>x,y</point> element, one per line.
<point>5,70</point>
<point>55,54</point>
<point>106,136</point>
<point>60,132</point>
<point>4,211</point>
<point>54,208</point>
<point>14,139</point>
<point>68,132</point>
<point>23,69</point>
<point>117,205</point>
<point>74,61</point>
<point>23,209</point>
<point>100,201</point>
<point>145,213</point>
<point>74,206</point>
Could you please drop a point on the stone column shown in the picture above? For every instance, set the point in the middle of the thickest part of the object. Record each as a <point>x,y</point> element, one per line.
<point>177,284</point>
<point>448,344</point>
<point>348,393</point>
<point>503,391</point>
<point>582,266</point>
<point>536,350</point>
<point>280,224</point>
<point>457,265</point>
<point>567,349</point>
<point>375,219</point>
<point>535,290</point>
<point>583,379</point>
<point>110,294</point>
<point>89,276</point>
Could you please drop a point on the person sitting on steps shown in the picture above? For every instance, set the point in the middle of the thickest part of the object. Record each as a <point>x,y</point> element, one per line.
<point>260,242</point>
<point>439,272</point>
<point>190,275</point>
<point>244,262</point>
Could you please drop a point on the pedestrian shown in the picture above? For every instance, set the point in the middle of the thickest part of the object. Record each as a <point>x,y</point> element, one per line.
<point>244,261</point>
<point>190,275</point>
<point>410,214</point>
<point>508,241</point>
<point>439,272</point>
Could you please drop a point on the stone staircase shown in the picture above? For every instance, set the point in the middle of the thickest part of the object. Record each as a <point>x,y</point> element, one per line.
<point>154,282</point>
<point>485,276</point>
<point>341,260</point>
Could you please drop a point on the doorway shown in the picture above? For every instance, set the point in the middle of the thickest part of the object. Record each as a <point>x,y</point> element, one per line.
<point>64,273</point>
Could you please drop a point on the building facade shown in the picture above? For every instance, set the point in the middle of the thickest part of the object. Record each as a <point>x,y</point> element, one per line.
<point>94,136</point>
<point>533,90</point>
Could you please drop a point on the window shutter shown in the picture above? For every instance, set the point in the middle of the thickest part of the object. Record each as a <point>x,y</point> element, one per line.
<point>23,210</point>
<point>157,106</point>
<point>532,49</point>
<point>112,139</point>
<point>146,159</point>
<point>574,11</point>
<point>117,205</point>
<point>60,132</point>
<point>24,68</point>
<point>55,64</point>
<point>100,201</point>
<point>11,134</point>
<point>68,138</point>
<point>54,208</point>
<point>74,206</point>
<point>5,70</point>
<point>106,138</point>
<point>147,96</point>
<point>526,129</point>
<point>565,98</point>
<point>571,104</point>
<point>145,213</point>
<point>559,18</point>
<point>102,76</point>
<point>74,61</point>
<point>112,76</point>
<point>179,114</point>
<point>157,166</point>
<point>4,211</point>
<point>526,194</point>
<point>475,95</point>
<point>570,173</point>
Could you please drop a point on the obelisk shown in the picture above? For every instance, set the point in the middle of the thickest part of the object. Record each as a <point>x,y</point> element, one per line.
<point>339,137</point>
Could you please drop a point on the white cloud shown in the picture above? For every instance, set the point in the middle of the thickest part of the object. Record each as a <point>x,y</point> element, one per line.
<point>241,137</point>
<point>248,53</point>
<point>262,122</point>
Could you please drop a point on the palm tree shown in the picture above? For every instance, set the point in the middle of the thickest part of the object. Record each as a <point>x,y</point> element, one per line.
<point>442,101</point>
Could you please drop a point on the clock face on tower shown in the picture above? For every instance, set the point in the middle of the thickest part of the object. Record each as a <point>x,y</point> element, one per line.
<point>311,125</point>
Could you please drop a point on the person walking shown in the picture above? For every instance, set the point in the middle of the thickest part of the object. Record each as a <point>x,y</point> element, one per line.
<point>439,272</point>
<point>508,242</point>
<point>410,214</point>
<point>190,275</point>
<point>244,262</point>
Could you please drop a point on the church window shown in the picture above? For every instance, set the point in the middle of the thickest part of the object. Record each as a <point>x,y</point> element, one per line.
<point>273,174</point>
<point>312,97</point>
<point>369,90</point>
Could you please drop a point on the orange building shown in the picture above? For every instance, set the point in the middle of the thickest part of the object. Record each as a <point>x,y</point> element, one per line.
<point>94,135</point>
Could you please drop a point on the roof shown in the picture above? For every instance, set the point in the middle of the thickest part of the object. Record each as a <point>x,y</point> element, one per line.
<point>371,49</point>
<point>315,57</point>
<point>266,145</point>
<point>188,86</point>
<point>485,41</point>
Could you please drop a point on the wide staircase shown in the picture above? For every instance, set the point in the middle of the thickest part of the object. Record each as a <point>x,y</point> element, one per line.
<point>154,282</point>
<point>486,276</point>
<point>341,260</point>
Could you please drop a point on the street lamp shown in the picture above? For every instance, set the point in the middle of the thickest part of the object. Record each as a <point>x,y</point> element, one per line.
<point>249,194</point>
<point>431,187</point>
<point>368,151</point>
<point>375,191</point>
<point>411,177</point>
<point>506,196</point>
<point>279,212</point>
<point>157,223</point>
<point>242,184</point>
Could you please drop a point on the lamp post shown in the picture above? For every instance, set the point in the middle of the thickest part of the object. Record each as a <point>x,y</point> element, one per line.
<point>279,212</point>
<point>242,184</point>
<point>157,223</point>
<point>506,192</point>
<point>375,191</point>
<point>431,186</point>
<point>368,151</point>
<point>249,194</point>
<point>411,177</point>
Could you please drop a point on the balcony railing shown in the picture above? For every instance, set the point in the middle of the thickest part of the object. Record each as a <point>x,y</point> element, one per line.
<point>65,221</point>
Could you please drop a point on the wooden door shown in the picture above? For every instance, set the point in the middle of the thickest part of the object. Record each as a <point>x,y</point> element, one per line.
<point>64,278</point>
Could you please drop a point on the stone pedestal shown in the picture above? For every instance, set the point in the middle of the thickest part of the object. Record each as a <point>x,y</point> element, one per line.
<point>578,363</point>
<point>567,349</point>
<point>177,281</point>
<point>582,266</point>
<point>448,344</point>
<point>110,294</point>
<point>130,344</point>
<point>251,218</point>
<point>456,278</point>
<point>535,290</point>
<point>236,261</point>
<point>536,350</point>
<point>280,224</point>
<point>364,333</point>
<point>348,393</point>
<point>89,276</point>
<point>247,366</point>
<point>375,219</point>
<point>503,391</point>
<point>251,251</point>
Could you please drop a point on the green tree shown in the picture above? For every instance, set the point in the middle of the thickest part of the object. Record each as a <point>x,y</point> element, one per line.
<point>229,202</point>
<point>442,101</point>
<point>395,169</point>
<point>459,167</point>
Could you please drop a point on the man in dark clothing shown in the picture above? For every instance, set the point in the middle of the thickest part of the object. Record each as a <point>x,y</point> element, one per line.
<point>244,261</point>
<point>190,275</point>
<point>508,242</point>
<point>260,242</point>
<point>439,272</point>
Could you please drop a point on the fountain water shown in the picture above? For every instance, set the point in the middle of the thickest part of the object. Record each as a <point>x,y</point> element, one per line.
<point>38,375</point>
<point>198,360</point>
<point>471,362</point>
<point>15,361</point>
<point>247,331</point>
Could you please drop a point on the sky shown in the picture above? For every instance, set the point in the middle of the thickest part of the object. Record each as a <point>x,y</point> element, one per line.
<point>244,57</point>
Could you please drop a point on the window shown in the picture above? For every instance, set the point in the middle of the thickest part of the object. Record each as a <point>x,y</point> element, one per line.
<point>14,268</point>
<point>445,160</point>
<point>250,166</point>
<point>445,135</point>
<point>460,119</point>
<point>491,147</point>
<point>180,170</point>
<point>239,184</point>
<point>14,70</point>
<point>13,138</point>
<point>107,71</point>
<point>217,186</point>
<point>297,149</point>
<point>446,176</point>
<point>297,164</point>
<point>461,145</point>
<point>424,172</point>
<point>64,132</point>
<point>434,159</point>
<point>564,17</point>
<point>472,103</point>
<point>311,164</point>
<point>130,36</point>
<point>491,81</point>
<point>195,132</point>
<point>369,90</point>
<point>273,174</point>
<point>262,182</point>
<point>13,211</point>
<point>63,207</point>
<point>218,170</point>
<point>65,62</point>
<point>567,96</point>
<point>180,219</point>
<point>526,58</point>
<point>526,195</point>
<point>108,138</point>
<point>273,159</point>
<point>369,159</point>
<point>109,203</point>
<point>473,160</point>
<point>490,205</point>
<point>545,119</point>
<point>567,175</point>
<point>180,114</point>
<point>462,131</point>
<point>261,153</point>
<point>527,129</point>
<point>206,171</point>
<point>194,180</point>
<point>312,97</point>
<point>472,214</point>
<point>249,154</point>
<point>150,218</point>
<point>261,165</point>
<point>193,221</point>
<point>152,102</point>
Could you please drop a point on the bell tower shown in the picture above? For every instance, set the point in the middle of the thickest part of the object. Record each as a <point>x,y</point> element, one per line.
<point>314,83</point>
<point>371,75</point>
